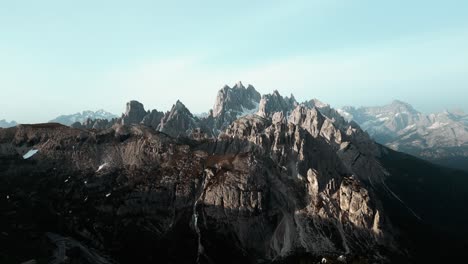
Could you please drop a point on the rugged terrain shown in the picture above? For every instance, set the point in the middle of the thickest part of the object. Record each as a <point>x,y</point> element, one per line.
<point>293,183</point>
<point>441,138</point>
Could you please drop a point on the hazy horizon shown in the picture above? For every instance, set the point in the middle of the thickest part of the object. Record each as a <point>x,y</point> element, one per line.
<point>61,57</point>
<point>210,104</point>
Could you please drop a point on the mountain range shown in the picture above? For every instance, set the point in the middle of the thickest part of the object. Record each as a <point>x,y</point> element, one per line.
<point>83,117</point>
<point>259,179</point>
<point>441,138</point>
<point>5,124</point>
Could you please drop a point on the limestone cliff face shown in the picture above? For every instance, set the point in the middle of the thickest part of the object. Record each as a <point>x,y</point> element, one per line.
<point>178,121</point>
<point>271,103</point>
<point>236,99</point>
<point>232,103</point>
<point>320,188</point>
<point>134,113</point>
<point>153,119</point>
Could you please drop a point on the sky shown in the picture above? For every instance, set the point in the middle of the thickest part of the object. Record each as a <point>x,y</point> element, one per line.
<point>62,56</point>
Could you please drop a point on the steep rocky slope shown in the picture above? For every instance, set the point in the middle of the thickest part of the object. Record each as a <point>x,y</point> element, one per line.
<point>179,121</point>
<point>271,103</point>
<point>232,103</point>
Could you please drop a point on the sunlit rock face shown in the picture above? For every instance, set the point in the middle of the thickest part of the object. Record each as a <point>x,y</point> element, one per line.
<point>233,103</point>
<point>272,103</point>
<point>317,186</point>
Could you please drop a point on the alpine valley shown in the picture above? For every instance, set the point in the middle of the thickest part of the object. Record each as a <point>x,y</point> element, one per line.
<point>259,179</point>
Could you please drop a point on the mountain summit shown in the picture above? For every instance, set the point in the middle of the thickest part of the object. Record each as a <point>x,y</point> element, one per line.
<point>232,103</point>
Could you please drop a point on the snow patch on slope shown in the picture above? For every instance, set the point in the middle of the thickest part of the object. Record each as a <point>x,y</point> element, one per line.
<point>437,125</point>
<point>30,153</point>
<point>246,111</point>
<point>102,166</point>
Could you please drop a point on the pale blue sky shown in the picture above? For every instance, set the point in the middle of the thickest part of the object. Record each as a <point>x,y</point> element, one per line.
<point>59,57</point>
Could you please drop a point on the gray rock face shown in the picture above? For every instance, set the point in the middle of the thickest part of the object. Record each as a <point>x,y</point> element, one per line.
<point>232,103</point>
<point>400,127</point>
<point>6,124</point>
<point>236,99</point>
<point>134,113</point>
<point>179,121</point>
<point>271,103</point>
<point>153,119</point>
<point>326,186</point>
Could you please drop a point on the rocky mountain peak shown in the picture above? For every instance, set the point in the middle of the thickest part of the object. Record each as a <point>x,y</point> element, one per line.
<point>271,103</point>
<point>400,106</point>
<point>239,85</point>
<point>308,118</point>
<point>179,109</point>
<point>134,113</point>
<point>134,106</point>
<point>235,99</point>
<point>179,121</point>
<point>316,103</point>
<point>397,102</point>
<point>179,106</point>
<point>232,103</point>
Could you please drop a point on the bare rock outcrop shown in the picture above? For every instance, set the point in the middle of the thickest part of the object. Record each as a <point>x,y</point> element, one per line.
<point>271,103</point>
<point>232,103</point>
<point>178,121</point>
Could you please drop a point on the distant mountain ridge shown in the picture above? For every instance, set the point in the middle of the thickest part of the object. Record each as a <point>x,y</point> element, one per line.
<point>82,117</point>
<point>440,137</point>
<point>6,124</point>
